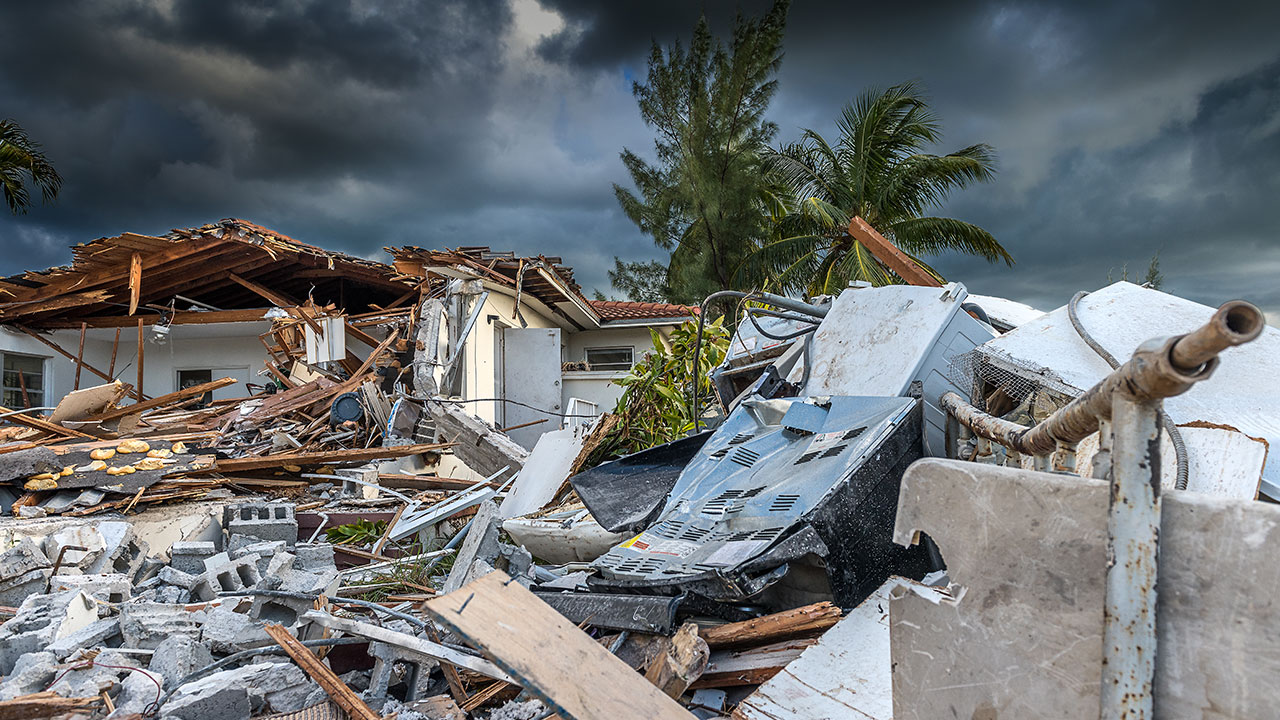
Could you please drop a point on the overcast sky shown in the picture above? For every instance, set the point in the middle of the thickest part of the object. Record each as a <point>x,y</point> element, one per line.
<point>1123,128</point>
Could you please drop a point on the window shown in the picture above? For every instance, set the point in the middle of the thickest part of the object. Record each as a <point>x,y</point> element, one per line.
<point>614,358</point>
<point>189,378</point>
<point>23,381</point>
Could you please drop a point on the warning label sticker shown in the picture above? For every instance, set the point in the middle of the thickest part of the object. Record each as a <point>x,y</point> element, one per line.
<point>732,553</point>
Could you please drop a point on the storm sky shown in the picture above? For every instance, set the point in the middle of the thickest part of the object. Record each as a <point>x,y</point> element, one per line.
<point>1123,128</point>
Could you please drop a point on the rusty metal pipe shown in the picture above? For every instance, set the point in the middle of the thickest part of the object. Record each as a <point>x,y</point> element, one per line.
<point>1159,368</point>
<point>1236,322</point>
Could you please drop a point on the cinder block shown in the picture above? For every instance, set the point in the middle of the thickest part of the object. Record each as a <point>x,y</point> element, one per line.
<point>392,665</point>
<point>367,488</point>
<point>24,568</point>
<point>172,576</point>
<point>265,521</point>
<point>230,576</point>
<point>146,625</point>
<point>313,557</point>
<point>113,588</point>
<point>178,657</point>
<point>189,557</point>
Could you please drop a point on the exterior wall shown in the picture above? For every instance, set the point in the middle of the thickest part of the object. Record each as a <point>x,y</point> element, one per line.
<point>597,385</point>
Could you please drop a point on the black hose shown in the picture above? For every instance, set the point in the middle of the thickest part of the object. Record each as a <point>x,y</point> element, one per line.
<point>1175,436</point>
<point>790,336</point>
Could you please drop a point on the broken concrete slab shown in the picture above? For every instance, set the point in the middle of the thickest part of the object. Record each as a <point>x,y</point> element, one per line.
<point>113,588</point>
<point>91,636</point>
<point>40,620</point>
<point>146,625</point>
<point>189,557</point>
<point>24,570</point>
<point>179,656</point>
<point>1028,551</point>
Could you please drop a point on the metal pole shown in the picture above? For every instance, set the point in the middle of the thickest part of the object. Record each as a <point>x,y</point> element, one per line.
<point>1133,529</point>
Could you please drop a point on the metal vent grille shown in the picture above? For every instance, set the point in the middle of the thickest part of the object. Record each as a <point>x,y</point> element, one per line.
<point>812,454</point>
<point>717,455</point>
<point>667,529</point>
<point>835,450</point>
<point>746,457</point>
<point>741,438</point>
<point>694,533</point>
<point>854,433</point>
<point>783,503</point>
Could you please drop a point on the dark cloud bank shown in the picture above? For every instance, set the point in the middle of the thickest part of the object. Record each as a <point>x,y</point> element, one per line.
<point>1124,128</point>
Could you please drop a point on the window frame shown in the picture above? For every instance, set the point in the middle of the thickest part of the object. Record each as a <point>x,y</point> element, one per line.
<point>586,357</point>
<point>17,389</point>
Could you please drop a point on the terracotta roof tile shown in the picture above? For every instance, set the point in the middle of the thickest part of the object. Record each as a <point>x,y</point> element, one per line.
<point>627,310</point>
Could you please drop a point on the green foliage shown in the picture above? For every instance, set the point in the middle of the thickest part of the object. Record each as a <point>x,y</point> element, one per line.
<point>876,170</point>
<point>1154,279</point>
<point>360,532</point>
<point>640,281</point>
<point>704,199</point>
<point>21,161</point>
<point>656,404</point>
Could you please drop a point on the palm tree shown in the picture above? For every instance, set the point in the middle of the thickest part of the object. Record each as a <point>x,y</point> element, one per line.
<point>21,161</point>
<point>877,170</point>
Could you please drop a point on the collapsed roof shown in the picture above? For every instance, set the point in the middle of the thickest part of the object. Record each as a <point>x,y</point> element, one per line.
<point>228,265</point>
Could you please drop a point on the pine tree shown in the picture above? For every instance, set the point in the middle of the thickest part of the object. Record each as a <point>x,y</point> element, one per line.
<point>704,198</point>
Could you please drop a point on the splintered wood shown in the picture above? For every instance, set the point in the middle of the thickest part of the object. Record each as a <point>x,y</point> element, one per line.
<point>560,664</point>
<point>345,697</point>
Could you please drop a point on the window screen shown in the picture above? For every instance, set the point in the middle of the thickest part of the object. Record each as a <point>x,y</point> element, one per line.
<point>614,358</point>
<point>23,372</point>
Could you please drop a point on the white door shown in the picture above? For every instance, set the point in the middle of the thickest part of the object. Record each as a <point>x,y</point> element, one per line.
<point>531,376</point>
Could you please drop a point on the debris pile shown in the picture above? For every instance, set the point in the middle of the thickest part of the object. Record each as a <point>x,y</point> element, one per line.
<point>302,550</point>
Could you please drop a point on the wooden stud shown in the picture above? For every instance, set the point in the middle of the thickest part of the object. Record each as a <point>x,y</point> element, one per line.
<point>58,349</point>
<point>135,282</point>
<point>138,386</point>
<point>22,383</point>
<point>160,400</point>
<point>80,355</point>
<point>115,346</point>
<point>345,697</point>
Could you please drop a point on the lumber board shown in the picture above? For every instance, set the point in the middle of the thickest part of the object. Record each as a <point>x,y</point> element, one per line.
<point>886,252</point>
<point>45,704</point>
<point>750,666</point>
<point>409,642</point>
<point>770,628</point>
<point>553,659</point>
<point>343,696</point>
<point>161,400</point>
<point>36,423</point>
<point>322,457</point>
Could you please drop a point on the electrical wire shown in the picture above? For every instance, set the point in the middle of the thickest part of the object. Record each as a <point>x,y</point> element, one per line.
<point>505,400</point>
<point>790,336</point>
<point>1175,436</point>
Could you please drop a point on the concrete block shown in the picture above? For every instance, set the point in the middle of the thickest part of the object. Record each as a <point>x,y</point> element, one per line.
<point>172,576</point>
<point>40,620</point>
<point>147,569</point>
<point>239,693</point>
<point>146,625</point>
<point>264,550</point>
<point>122,551</point>
<point>177,657</point>
<point>31,672</point>
<point>226,631</point>
<point>171,595</point>
<point>393,665</point>
<point>265,521</point>
<point>113,588</point>
<point>367,488</point>
<point>189,556</point>
<point>481,543</point>
<point>313,557</point>
<point>136,693</point>
<point>231,576</point>
<point>94,635</point>
<point>86,536</point>
<point>23,570</point>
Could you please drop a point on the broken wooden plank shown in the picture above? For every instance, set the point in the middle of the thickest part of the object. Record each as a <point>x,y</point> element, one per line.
<point>554,660</point>
<point>750,666</point>
<point>783,625</point>
<point>345,697</point>
<point>161,400</point>
<point>408,642</point>
<point>46,704</point>
<point>80,356</point>
<point>41,424</point>
<point>135,282</point>
<point>138,385</point>
<point>322,457</point>
<point>683,662</point>
<point>903,265</point>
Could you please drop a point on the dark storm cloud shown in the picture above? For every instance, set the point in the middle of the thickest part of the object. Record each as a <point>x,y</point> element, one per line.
<point>1124,128</point>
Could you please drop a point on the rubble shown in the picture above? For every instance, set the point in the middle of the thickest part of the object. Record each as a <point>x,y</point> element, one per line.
<point>830,536</point>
